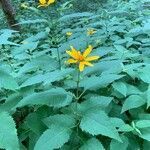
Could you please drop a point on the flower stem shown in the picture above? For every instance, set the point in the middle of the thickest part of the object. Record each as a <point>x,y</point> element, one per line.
<point>77,92</point>
<point>59,59</point>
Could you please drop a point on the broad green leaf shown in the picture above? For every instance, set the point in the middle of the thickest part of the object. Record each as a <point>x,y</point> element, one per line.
<point>132,101</point>
<point>144,74</point>
<point>99,82</point>
<point>39,63</point>
<point>60,120</point>
<point>148,96</point>
<point>54,97</point>
<point>11,102</point>
<point>145,134</point>
<point>5,35</point>
<point>97,102</point>
<point>115,145</point>
<point>33,21</point>
<point>34,122</point>
<point>92,144</point>
<point>7,81</point>
<point>143,123</point>
<point>98,123</point>
<point>125,128</point>
<point>120,87</point>
<point>8,132</point>
<point>75,15</point>
<point>53,138</point>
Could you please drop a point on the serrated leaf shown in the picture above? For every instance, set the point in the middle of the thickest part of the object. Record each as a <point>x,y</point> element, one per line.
<point>62,120</point>
<point>96,102</point>
<point>54,97</point>
<point>99,82</point>
<point>53,138</point>
<point>98,123</point>
<point>35,123</point>
<point>8,132</point>
<point>132,101</point>
<point>39,63</point>
<point>92,144</point>
<point>7,81</point>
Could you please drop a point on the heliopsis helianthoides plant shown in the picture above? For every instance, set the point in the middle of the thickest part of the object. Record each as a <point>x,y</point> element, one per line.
<point>45,3</point>
<point>81,59</point>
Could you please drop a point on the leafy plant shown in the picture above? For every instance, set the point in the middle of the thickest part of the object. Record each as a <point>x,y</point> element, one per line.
<point>47,103</point>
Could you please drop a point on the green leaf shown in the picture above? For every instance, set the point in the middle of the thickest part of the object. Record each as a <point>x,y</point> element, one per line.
<point>11,102</point>
<point>54,97</point>
<point>48,77</point>
<point>145,134</point>
<point>146,145</point>
<point>8,132</point>
<point>98,123</point>
<point>53,138</point>
<point>125,128</point>
<point>75,15</point>
<point>144,74</point>
<point>92,144</point>
<point>35,21</point>
<point>148,96</point>
<point>7,81</point>
<point>99,82</point>
<point>35,124</point>
<point>115,145</point>
<point>133,101</point>
<point>96,102</point>
<point>61,120</point>
<point>5,35</point>
<point>39,63</point>
<point>143,124</point>
<point>120,87</point>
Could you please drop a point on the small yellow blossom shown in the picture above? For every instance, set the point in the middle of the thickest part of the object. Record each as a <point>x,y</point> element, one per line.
<point>45,3</point>
<point>91,31</point>
<point>81,58</point>
<point>68,33</point>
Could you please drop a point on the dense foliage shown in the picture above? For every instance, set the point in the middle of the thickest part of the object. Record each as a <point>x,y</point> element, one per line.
<point>46,103</point>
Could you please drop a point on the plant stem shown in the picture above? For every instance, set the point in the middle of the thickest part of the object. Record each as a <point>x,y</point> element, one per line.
<point>59,59</point>
<point>77,92</point>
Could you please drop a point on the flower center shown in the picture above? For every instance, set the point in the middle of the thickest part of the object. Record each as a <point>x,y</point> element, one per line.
<point>80,56</point>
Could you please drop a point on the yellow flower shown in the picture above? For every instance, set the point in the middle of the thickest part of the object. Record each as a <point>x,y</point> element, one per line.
<point>91,31</point>
<point>45,3</point>
<point>81,58</point>
<point>68,33</point>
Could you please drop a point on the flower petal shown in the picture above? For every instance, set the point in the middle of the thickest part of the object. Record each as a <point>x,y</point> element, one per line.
<point>50,2</point>
<point>87,51</point>
<point>42,2</point>
<point>72,61</point>
<point>72,54</point>
<point>91,58</point>
<point>88,63</point>
<point>81,66</point>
